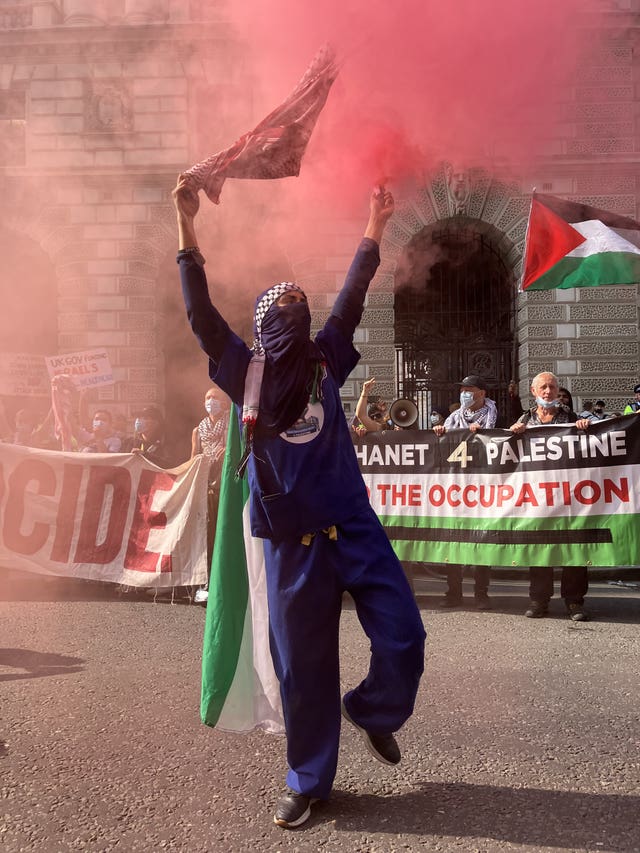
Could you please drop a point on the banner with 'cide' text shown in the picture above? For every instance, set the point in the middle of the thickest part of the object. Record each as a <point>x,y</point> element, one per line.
<point>105,516</point>
<point>551,496</point>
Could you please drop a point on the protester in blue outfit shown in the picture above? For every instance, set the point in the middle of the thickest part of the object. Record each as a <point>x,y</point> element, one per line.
<point>309,504</point>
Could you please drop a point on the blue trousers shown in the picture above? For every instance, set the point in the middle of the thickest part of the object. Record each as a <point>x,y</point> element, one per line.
<point>305,585</point>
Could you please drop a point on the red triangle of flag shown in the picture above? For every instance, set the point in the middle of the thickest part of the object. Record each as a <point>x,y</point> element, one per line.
<point>549,239</point>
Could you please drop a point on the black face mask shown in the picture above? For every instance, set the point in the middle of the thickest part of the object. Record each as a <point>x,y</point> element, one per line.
<point>598,411</point>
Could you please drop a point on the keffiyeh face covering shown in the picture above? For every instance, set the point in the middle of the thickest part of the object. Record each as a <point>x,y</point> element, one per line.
<point>277,381</point>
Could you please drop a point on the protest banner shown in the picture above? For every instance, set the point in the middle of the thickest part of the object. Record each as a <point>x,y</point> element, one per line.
<point>23,375</point>
<point>107,517</point>
<point>88,368</point>
<point>552,496</point>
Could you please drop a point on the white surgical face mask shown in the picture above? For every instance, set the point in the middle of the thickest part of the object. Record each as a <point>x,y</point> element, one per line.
<point>435,419</point>
<point>97,423</point>
<point>466,399</point>
<point>139,425</point>
<point>212,406</point>
<point>546,404</point>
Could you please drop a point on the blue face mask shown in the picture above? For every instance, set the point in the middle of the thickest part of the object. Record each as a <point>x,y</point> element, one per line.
<point>466,399</point>
<point>547,404</point>
<point>212,406</point>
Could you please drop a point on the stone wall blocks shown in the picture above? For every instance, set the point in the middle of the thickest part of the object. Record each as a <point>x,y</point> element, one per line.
<point>142,339</point>
<point>533,332</point>
<point>132,284</point>
<point>592,387</point>
<point>618,349</point>
<point>137,321</point>
<point>548,349</point>
<point>382,336</point>
<point>142,269</point>
<point>615,365</point>
<point>72,342</point>
<point>134,356</point>
<point>142,251</point>
<point>545,313</point>
<point>628,293</point>
<point>142,303</point>
<point>609,330</point>
<point>71,271</point>
<point>380,300</point>
<point>377,352</point>
<point>141,393</point>
<point>143,374</point>
<point>602,312</point>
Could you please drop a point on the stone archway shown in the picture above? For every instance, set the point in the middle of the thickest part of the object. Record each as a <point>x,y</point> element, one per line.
<point>454,202</point>
<point>454,307</point>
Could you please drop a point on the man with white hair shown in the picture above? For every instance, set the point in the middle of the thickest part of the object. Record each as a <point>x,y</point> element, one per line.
<point>573,583</point>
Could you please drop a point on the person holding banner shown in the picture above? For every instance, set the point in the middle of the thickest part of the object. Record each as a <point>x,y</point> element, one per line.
<point>549,409</point>
<point>309,506</point>
<point>209,438</point>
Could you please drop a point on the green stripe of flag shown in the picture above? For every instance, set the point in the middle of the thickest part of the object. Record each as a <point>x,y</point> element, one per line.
<point>604,268</point>
<point>227,606</point>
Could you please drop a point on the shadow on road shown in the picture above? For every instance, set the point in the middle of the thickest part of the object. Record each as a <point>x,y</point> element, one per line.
<point>36,664</point>
<point>535,817</point>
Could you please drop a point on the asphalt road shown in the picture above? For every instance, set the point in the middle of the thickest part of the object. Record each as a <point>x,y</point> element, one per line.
<point>525,736</point>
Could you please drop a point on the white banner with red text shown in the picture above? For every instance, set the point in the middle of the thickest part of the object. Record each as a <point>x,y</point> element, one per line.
<point>107,516</point>
<point>551,496</point>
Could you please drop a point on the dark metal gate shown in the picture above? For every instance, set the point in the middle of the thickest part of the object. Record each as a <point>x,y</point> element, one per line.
<point>454,316</point>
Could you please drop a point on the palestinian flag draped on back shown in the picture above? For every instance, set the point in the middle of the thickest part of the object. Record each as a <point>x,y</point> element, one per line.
<point>574,245</point>
<point>240,690</point>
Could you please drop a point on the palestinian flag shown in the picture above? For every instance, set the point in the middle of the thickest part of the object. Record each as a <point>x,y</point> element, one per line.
<point>240,690</point>
<point>573,245</point>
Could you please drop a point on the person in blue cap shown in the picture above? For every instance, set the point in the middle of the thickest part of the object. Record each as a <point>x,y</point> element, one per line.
<point>309,505</point>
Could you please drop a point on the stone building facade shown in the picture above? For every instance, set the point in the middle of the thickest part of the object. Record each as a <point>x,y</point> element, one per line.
<point>97,117</point>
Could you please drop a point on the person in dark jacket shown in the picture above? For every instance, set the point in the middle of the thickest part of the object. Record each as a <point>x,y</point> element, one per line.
<point>309,505</point>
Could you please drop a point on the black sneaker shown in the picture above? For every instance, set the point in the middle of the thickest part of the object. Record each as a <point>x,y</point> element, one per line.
<point>577,613</point>
<point>451,601</point>
<point>293,809</point>
<point>537,609</point>
<point>483,602</point>
<point>383,747</point>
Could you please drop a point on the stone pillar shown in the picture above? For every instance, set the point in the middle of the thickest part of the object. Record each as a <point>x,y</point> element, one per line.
<point>76,12</point>
<point>145,11</point>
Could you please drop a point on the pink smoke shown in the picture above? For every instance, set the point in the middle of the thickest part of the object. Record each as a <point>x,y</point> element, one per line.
<point>476,83</point>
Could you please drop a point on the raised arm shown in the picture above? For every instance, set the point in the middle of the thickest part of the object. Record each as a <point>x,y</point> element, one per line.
<point>208,325</point>
<point>348,307</point>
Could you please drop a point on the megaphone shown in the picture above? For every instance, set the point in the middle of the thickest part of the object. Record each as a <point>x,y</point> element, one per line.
<point>404,413</point>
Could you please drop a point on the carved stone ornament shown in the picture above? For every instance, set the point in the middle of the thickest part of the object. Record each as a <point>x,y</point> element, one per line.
<point>458,188</point>
<point>109,108</point>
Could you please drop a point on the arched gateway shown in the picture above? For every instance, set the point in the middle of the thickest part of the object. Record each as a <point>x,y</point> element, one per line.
<point>453,253</point>
<point>454,314</point>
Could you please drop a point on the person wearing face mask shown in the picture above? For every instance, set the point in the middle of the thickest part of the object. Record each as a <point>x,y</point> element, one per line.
<point>210,438</point>
<point>548,409</point>
<point>309,505</point>
<point>437,417</point>
<point>476,410</point>
<point>102,438</point>
<point>148,438</point>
